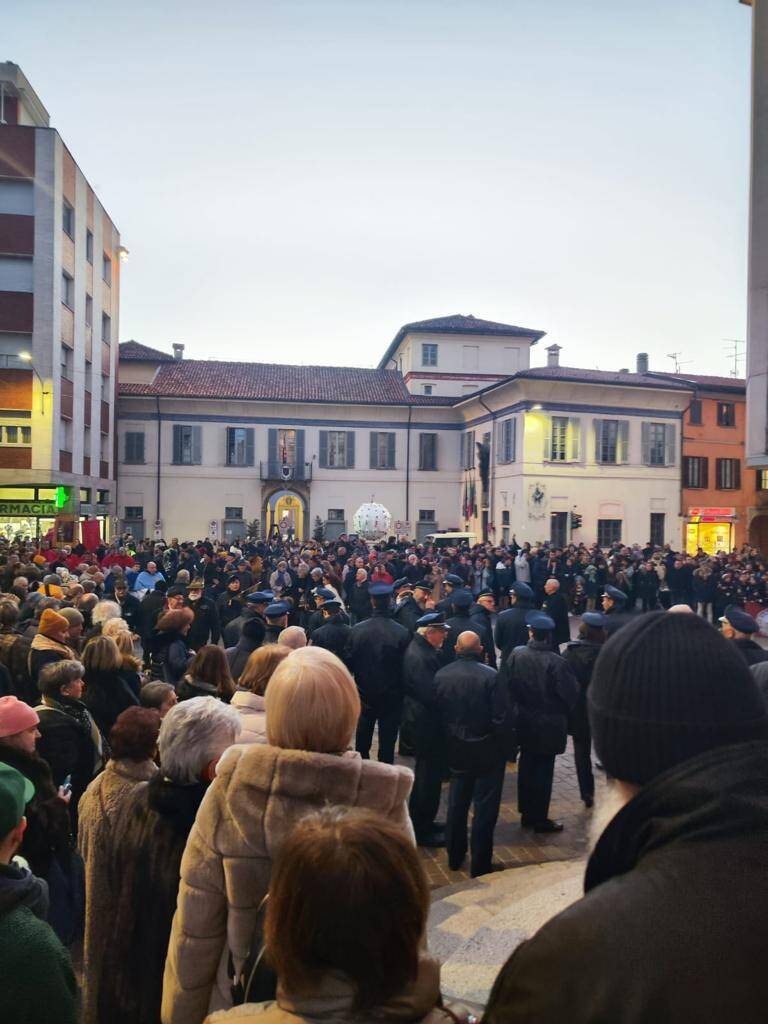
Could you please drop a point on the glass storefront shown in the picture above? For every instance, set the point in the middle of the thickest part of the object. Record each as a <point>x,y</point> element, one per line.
<point>29,513</point>
<point>711,529</point>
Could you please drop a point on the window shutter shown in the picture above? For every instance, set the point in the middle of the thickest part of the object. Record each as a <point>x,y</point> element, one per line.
<point>434,450</point>
<point>350,449</point>
<point>623,442</point>
<point>512,450</point>
<point>704,463</point>
<point>646,443</point>
<point>500,440</point>
<point>574,440</point>
<point>598,440</point>
<point>229,454</point>
<point>300,454</point>
<point>177,434</point>
<point>669,444</point>
<point>736,474</point>
<point>548,439</point>
<point>323,449</point>
<point>249,455</point>
<point>197,446</point>
<point>391,450</point>
<point>374,441</point>
<point>140,447</point>
<point>272,449</point>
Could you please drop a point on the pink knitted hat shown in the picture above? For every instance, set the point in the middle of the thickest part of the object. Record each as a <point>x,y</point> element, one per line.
<point>16,716</point>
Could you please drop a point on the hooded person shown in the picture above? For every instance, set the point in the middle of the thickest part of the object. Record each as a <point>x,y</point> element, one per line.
<point>676,882</point>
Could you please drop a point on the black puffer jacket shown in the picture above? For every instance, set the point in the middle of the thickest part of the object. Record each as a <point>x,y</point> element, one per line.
<point>511,628</point>
<point>171,653</point>
<point>374,655</point>
<point>672,924</point>
<point>421,717</point>
<point>477,720</point>
<point>544,688</point>
<point>333,635</point>
<point>581,656</point>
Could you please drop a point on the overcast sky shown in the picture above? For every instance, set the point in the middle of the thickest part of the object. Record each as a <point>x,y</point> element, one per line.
<point>295,180</point>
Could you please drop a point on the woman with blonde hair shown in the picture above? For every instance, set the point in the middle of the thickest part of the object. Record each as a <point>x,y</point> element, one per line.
<point>260,792</point>
<point>208,675</point>
<point>130,665</point>
<point>106,691</point>
<point>249,698</point>
<point>352,945</point>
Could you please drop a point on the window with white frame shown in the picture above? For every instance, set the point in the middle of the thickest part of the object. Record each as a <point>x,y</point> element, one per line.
<point>337,449</point>
<point>382,449</point>
<point>67,290</point>
<point>611,441</point>
<point>659,444</point>
<point>16,435</point>
<point>563,440</point>
<point>239,447</point>
<point>427,451</point>
<point>506,441</point>
<point>106,269</point>
<point>106,328</point>
<point>68,219</point>
<point>187,445</point>
<point>428,354</point>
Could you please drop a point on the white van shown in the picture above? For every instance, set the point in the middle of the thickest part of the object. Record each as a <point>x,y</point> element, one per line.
<point>445,539</point>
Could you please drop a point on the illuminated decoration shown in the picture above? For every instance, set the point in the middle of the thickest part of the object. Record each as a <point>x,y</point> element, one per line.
<point>63,495</point>
<point>372,520</point>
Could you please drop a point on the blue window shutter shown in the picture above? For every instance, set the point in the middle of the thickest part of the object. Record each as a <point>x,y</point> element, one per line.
<point>669,444</point>
<point>374,442</point>
<point>512,440</point>
<point>350,449</point>
<point>249,454</point>
<point>299,454</point>
<point>323,449</point>
<point>434,450</point>
<point>598,440</point>
<point>272,449</point>
<point>197,446</point>
<point>646,443</point>
<point>177,435</point>
<point>391,451</point>
<point>574,439</point>
<point>623,445</point>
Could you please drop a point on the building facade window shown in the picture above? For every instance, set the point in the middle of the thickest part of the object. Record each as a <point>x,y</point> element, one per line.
<point>68,219</point>
<point>233,512</point>
<point>728,474</point>
<point>187,445</point>
<point>337,449</point>
<point>428,354</point>
<point>335,515</point>
<point>657,529</point>
<point>427,451</point>
<point>427,389</point>
<point>88,310</point>
<point>106,269</point>
<point>239,448</point>
<point>761,480</point>
<point>694,412</point>
<point>695,471</point>
<point>382,449</point>
<point>467,458</point>
<point>16,435</point>
<point>89,246</point>
<point>611,441</point>
<point>507,441</point>
<point>67,290</point>
<point>66,362</point>
<point>134,511</point>
<point>426,515</point>
<point>505,526</point>
<point>726,414</point>
<point>608,532</point>
<point>134,446</point>
<point>106,329</point>
<point>562,442</point>
<point>659,444</point>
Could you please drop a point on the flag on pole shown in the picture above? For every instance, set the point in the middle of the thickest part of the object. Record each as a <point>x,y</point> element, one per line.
<point>90,534</point>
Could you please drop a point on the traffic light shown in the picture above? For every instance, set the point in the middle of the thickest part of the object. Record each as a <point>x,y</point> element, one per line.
<point>575,521</point>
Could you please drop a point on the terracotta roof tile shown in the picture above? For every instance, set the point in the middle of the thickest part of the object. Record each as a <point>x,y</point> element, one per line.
<point>131,350</point>
<point>457,323</point>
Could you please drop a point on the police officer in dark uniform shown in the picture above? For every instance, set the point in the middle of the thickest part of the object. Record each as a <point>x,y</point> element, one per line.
<point>317,619</point>
<point>481,612</point>
<point>374,655</point>
<point>544,688</point>
<point>511,625</point>
<point>422,660</point>
<point>460,622</point>
<point>276,615</point>
<point>615,609</point>
<point>739,627</point>
<point>333,635</point>
<point>406,610</point>
<point>255,604</point>
<point>451,583</point>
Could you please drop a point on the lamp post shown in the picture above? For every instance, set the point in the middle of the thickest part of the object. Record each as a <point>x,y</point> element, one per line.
<point>26,357</point>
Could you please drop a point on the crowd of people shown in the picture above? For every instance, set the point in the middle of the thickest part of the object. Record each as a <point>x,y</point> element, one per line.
<point>187,783</point>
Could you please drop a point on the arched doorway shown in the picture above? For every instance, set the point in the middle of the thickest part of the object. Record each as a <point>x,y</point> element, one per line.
<point>285,514</point>
<point>758,532</point>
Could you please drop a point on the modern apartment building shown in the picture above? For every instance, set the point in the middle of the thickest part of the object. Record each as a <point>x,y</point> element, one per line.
<point>59,320</point>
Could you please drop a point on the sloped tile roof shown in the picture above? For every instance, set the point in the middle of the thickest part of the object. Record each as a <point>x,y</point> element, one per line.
<point>457,323</point>
<point>579,375</point>
<point>707,382</point>
<point>131,350</point>
<point>208,378</point>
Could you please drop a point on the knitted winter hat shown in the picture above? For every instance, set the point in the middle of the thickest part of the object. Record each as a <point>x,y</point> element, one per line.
<point>666,688</point>
<point>51,622</point>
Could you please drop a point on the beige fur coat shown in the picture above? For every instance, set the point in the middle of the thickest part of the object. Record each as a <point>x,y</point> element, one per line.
<point>257,796</point>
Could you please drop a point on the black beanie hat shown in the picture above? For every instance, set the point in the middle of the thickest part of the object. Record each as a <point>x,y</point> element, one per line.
<point>666,688</point>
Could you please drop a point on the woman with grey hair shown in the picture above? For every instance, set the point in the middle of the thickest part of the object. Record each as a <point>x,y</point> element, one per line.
<point>147,855</point>
<point>102,612</point>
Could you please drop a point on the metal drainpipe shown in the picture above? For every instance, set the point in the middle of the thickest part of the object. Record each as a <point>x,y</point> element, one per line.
<point>157,510</point>
<point>491,473</point>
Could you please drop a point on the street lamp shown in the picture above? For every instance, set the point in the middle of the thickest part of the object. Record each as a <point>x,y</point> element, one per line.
<point>26,357</point>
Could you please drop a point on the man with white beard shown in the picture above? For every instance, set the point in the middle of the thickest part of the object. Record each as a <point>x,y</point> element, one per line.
<point>672,923</point>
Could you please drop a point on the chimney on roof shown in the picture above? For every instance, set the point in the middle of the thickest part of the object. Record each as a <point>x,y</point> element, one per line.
<point>553,355</point>
<point>178,350</point>
<point>642,362</point>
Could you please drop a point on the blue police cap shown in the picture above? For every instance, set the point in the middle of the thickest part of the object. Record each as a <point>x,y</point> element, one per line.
<point>325,593</point>
<point>538,620</point>
<point>434,619</point>
<point>461,599</point>
<point>260,597</point>
<point>596,619</point>
<point>486,593</point>
<point>421,585</point>
<point>615,594</point>
<point>521,590</point>
<point>380,589</point>
<point>402,583</point>
<point>276,610</point>
<point>331,603</point>
<point>741,621</point>
<point>453,580</point>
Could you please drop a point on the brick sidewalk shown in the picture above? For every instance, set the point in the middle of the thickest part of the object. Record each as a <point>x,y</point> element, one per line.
<point>514,846</point>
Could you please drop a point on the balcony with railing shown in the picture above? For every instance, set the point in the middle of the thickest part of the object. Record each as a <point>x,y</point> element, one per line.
<point>285,471</point>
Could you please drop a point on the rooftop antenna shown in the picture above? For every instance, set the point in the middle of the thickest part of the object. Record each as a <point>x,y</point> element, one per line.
<point>675,357</point>
<point>734,344</point>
